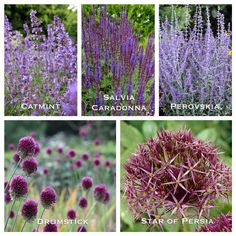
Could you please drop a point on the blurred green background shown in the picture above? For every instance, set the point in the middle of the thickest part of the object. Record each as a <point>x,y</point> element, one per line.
<point>20,14</point>
<point>135,132</point>
<point>142,17</point>
<point>180,10</point>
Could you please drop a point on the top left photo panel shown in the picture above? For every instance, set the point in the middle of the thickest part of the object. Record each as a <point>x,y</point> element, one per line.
<point>40,43</point>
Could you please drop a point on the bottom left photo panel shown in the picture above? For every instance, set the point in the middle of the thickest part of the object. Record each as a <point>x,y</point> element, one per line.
<point>60,176</point>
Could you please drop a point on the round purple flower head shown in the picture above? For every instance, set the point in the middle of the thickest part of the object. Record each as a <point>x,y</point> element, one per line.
<point>11,146</point>
<point>29,210</point>
<point>81,228</point>
<point>18,187</point>
<point>223,223</point>
<point>71,214</point>
<point>45,171</point>
<point>71,153</point>
<point>50,227</point>
<point>83,202</point>
<point>83,132</point>
<point>30,166</point>
<point>85,156</point>
<point>107,163</point>
<point>48,197</point>
<point>49,151</point>
<point>37,149</point>
<point>12,214</point>
<point>97,142</point>
<point>96,162</point>
<point>16,157</point>
<point>101,193</point>
<point>7,197</point>
<point>87,182</point>
<point>78,163</point>
<point>60,150</point>
<point>173,173</point>
<point>26,147</point>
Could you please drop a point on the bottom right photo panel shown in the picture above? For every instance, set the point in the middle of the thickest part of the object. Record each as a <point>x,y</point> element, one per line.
<point>176,176</point>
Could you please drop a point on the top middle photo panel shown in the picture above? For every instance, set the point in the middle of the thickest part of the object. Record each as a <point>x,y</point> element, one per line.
<point>118,60</point>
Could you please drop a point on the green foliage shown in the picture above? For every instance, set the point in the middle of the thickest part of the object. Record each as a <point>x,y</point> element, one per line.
<point>135,132</point>
<point>142,16</point>
<point>19,14</point>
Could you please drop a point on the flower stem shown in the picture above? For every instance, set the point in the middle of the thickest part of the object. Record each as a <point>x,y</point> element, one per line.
<point>16,217</point>
<point>23,226</point>
<point>14,171</point>
<point>13,203</point>
<point>41,218</point>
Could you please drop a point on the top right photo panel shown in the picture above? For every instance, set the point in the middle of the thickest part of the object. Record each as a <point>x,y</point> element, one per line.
<point>195,60</point>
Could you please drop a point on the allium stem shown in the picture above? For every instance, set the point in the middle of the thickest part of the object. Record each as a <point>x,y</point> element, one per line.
<point>14,171</point>
<point>16,217</point>
<point>40,218</point>
<point>13,203</point>
<point>23,226</point>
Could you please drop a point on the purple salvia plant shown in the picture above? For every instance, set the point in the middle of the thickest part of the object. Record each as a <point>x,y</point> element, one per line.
<point>115,64</point>
<point>175,173</point>
<point>40,69</point>
<point>195,65</point>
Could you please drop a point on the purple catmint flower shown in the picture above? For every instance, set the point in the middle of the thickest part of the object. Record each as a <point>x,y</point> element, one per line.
<point>85,156</point>
<point>222,223</point>
<point>83,202</point>
<point>30,166</point>
<point>78,163</point>
<point>16,157</point>
<point>18,187</point>
<point>26,147</point>
<point>50,227</point>
<point>87,182</point>
<point>48,197</point>
<point>175,172</point>
<point>69,107</point>
<point>12,214</point>
<point>71,214</point>
<point>11,146</point>
<point>29,210</point>
<point>81,228</point>
<point>101,193</point>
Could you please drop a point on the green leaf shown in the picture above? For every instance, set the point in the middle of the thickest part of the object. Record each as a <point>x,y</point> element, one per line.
<point>149,128</point>
<point>209,134</point>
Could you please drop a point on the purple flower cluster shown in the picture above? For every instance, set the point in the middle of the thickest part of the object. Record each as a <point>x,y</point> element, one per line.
<point>177,173</point>
<point>195,65</point>
<point>116,64</point>
<point>36,58</point>
<point>29,210</point>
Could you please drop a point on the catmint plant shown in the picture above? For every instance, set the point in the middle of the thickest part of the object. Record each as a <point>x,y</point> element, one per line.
<point>40,69</point>
<point>117,69</point>
<point>195,65</point>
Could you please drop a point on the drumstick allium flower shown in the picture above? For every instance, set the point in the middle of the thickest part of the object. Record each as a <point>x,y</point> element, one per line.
<point>29,210</point>
<point>48,197</point>
<point>18,187</point>
<point>177,173</point>
<point>26,147</point>
<point>30,166</point>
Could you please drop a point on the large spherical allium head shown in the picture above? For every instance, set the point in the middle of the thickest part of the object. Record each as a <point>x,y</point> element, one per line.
<point>71,214</point>
<point>29,210</point>
<point>101,193</point>
<point>177,173</point>
<point>50,227</point>
<point>18,187</point>
<point>81,228</point>
<point>16,157</point>
<point>87,182</point>
<point>30,166</point>
<point>83,202</point>
<point>223,223</point>
<point>26,147</point>
<point>48,197</point>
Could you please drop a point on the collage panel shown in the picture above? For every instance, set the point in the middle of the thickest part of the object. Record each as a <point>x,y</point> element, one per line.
<point>195,60</point>
<point>40,43</point>
<point>60,176</point>
<point>118,60</point>
<point>176,176</point>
